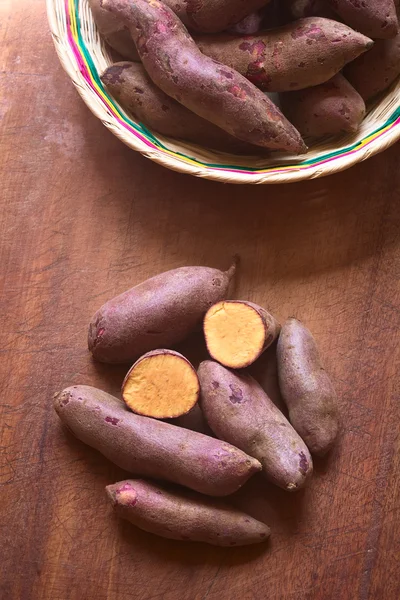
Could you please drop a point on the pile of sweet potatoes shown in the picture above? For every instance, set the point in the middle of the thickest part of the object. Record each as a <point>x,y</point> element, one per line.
<point>247,433</point>
<point>205,67</point>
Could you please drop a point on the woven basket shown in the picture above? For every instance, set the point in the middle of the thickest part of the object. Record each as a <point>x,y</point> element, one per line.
<point>84,56</point>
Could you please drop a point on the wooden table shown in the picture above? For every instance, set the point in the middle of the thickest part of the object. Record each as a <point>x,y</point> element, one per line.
<point>84,218</point>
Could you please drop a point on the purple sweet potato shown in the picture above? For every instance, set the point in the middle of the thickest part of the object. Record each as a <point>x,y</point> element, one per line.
<point>179,514</point>
<point>238,410</point>
<point>151,448</point>
<point>213,91</point>
<point>374,18</point>
<point>306,388</point>
<point>129,83</point>
<point>114,31</point>
<point>327,109</point>
<point>373,72</point>
<point>157,313</point>
<point>211,16</point>
<point>296,56</point>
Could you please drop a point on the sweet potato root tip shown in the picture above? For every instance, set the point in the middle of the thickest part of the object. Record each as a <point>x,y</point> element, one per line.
<point>162,384</point>
<point>237,332</point>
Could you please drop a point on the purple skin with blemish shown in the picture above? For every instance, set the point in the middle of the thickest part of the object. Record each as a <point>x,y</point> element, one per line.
<point>179,514</point>
<point>271,58</point>
<point>239,411</point>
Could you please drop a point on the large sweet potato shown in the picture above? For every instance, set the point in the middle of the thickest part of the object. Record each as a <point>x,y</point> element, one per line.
<point>179,514</point>
<point>297,9</point>
<point>213,91</point>
<point>151,448</point>
<point>129,83</point>
<point>301,54</point>
<point>328,109</point>
<point>157,313</point>
<point>239,411</point>
<point>377,69</point>
<point>306,388</point>
<point>374,18</point>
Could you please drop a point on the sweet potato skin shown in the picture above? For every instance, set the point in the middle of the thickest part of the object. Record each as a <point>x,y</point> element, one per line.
<point>328,109</point>
<point>212,90</point>
<point>178,514</point>
<point>306,388</point>
<point>129,83</point>
<point>238,409</point>
<point>374,18</point>
<point>298,55</point>
<point>151,448</point>
<point>157,313</point>
<point>298,9</point>
<point>114,31</point>
<point>374,71</point>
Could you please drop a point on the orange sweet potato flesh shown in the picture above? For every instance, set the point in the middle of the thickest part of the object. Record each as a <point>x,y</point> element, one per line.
<point>328,109</point>
<point>374,18</point>
<point>150,448</point>
<point>298,55</point>
<point>239,411</point>
<point>114,31</point>
<point>157,313</point>
<point>129,83</point>
<point>213,91</point>
<point>179,514</point>
<point>306,388</point>
<point>374,71</point>
<point>237,332</point>
<point>162,384</point>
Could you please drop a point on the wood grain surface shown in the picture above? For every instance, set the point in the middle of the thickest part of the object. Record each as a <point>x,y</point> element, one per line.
<point>84,218</point>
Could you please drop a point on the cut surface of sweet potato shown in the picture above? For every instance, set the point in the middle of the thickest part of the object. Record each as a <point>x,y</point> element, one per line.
<point>161,384</point>
<point>238,331</point>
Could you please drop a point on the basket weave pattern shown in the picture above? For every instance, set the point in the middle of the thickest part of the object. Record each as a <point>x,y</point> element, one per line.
<point>85,56</point>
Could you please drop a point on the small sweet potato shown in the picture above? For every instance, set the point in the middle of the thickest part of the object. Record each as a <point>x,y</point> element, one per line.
<point>237,332</point>
<point>238,410</point>
<point>179,514</point>
<point>114,31</point>
<point>327,109</point>
<point>374,18</point>
<point>306,388</point>
<point>209,89</point>
<point>157,313</point>
<point>162,384</point>
<point>129,83</point>
<point>296,56</point>
<point>374,71</point>
<point>249,25</point>
<point>151,448</point>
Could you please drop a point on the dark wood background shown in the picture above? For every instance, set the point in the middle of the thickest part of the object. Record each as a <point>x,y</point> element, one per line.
<point>84,218</point>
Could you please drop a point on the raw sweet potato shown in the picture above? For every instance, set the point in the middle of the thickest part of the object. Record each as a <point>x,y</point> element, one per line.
<point>374,18</point>
<point>179,514</point>
<point>298,55</point>
<point>157,313</point>
<point>211,90</point>
<point>237,332</point>
<point>306,388</point>
<point>249,25</point>
<point>238,410</point>
<point>211,16</point>
<point>327,109</point>
<point>162,384</point>
<point>114,31</point>
<point>151,448</point>
<point>377,69</point>
<point>298,9</point>
<point>129,83</point>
